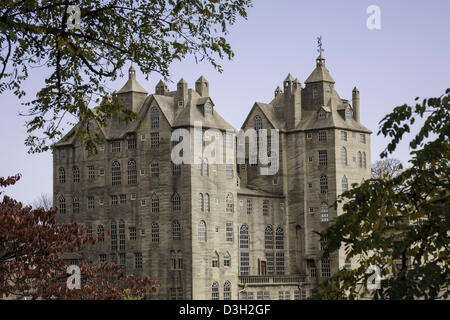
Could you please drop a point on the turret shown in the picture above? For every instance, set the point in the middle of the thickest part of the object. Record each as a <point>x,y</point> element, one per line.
<point>161,88</point>
<point>202,87</point>
<point>132,93</point>
<point>355,102</point>
<point>182,93</point>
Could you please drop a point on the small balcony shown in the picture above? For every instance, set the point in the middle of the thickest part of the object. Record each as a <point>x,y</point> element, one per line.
<point>272,280</point>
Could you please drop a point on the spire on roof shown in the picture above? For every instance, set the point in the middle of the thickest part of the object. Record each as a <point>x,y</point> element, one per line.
<point>132,85</point>
<point>201,79</point>
<point>320,73</point>
<point>289,78</point>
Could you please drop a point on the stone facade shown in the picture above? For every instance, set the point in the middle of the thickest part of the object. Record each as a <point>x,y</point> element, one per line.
<point>207,230</point>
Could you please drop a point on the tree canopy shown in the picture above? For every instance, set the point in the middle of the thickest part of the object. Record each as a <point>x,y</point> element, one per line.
<point>85,43</point>
<point>399,224</point>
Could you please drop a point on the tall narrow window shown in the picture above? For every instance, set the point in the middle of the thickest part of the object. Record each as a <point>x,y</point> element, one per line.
<point>113,235</point>
<point>176,202</point>
<point>180,260</point>
<point>226,259</point>
<point>176,170</point>
<point>201,204</point>
<point>279,239</point>
<point>154,118</point>
<point>91,172</point>
<point>266,206</point>
<point>249,206</point>
<point>244,263</point>
<point>257,123</point>
<point>132,172</point>
<point>75,205</point>
<point>268,238</point>
<point>131,142</point>
<point>76,175</point>
<point>62,175</point>
<point>90,202</point>
<point>121,235</point>
<point>343,135</point>
<point>122,261</point>
<point>360,164</point>
<point>227,290</point>
<point>155,203</point>
<point>326,270</point>
<point>176,230</point>
<point>362,138</point>
<point>154,169</point>
<point>323,158</point>
<point>207,202</point>
<point>279,263</point>
<point>229,170</point>
<point>364,160</point>
<point>62,205</point>
<point>270,263</point>
<point>205,167</point>
<point>323,184</point>
<point>215,291</point>
<point>202,231</point>
<point>155,233</point>
<point>243,237</point>
<point>344,184</point>
<point>100,233</point>
<point>343,156</point>
<point>229,202</point>
<point>116,178</point>
<point>173,260</point>
<point>154,140</point>
<point>138,260</point>
<point>229,231</point>
<point>324,212</point>
<point>133,233</point>
<point>215,259</point>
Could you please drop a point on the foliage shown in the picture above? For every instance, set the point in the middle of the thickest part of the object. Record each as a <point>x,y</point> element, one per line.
<point>152,33</point>
<point>386,168</point>
<point>31,244</point>
<point>400,224</point>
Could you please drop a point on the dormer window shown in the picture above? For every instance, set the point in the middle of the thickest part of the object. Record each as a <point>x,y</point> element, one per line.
<point>208,108</point>
<point>348,114</point>
<point>322,114</point>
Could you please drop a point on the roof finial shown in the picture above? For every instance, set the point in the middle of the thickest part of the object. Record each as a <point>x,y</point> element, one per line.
<point>132,73</point>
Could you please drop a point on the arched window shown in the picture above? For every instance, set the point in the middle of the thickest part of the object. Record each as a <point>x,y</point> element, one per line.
<point>121,235</point>
<point>359,159</point>
<point>227,259</point>
<point>243,237</point>
<point>180,260</point>
<point>344,184</point>
<point>229,202</point>
<point>75,205</point>
<point>202,231</point>
<point>215,259</point>
<point>323,184</point>
<point>76,175</point>
<point>364,160</point>
<point>154,118</point>
<point>176,202</point>
<point>132,172</point>
<point>116,178</point>
<point>62,175</point>
<point>215,291</point>
<point>257,123</point>
<point>324,212</point>
<point>205,167</point>
<point>227,290</point>
<point>113,235</point>
<point>100,233</point>
<point>206,202</point>
<point>155,233</point>
<point>201,204</point>
<point>155,203</point>
<point>176,230</point>
<point>279,238</point>
<point>268,238</point>
<point>343,156</point>
<point>62,205</point>
<point>173,260</point>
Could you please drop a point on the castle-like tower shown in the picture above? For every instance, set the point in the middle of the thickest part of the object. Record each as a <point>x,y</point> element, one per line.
<point>216,231</point>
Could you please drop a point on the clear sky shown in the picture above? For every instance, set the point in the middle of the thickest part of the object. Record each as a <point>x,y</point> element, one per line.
<point>408,57</point>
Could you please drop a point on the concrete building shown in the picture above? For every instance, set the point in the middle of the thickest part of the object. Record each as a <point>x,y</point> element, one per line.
<point>216,231</point>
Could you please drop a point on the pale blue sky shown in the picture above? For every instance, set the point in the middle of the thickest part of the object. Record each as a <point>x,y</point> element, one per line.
<point>408,57</point>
